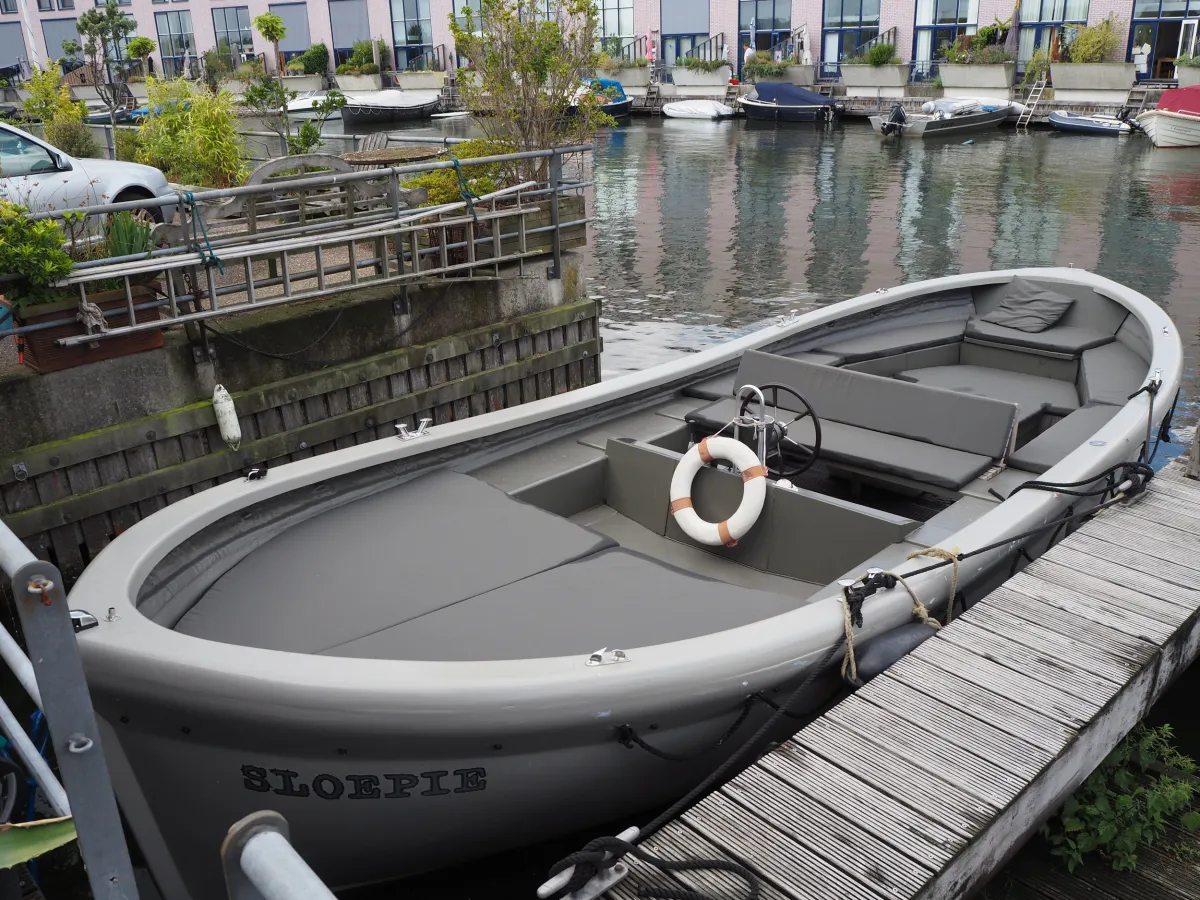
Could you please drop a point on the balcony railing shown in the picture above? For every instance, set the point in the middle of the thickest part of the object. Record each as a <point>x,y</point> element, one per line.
<point>886,37</point>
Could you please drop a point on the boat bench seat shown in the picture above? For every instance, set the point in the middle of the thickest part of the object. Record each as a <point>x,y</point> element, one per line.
<point>1109,374</point>
<point>896,341</point>
<point>1064,340</point>
<point>912,431</point>
<point>1033,394</point>
<point>1092,320</point>
<point>1051,447</point>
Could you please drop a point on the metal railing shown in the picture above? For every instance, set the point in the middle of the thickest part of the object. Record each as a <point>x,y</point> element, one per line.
<point>52,675</point>
<point>713,48</point>
<point>634,50</point>
<point>884,37</point>
<point>430,61</point>
<point>261,864</point>
<point>309,232</point>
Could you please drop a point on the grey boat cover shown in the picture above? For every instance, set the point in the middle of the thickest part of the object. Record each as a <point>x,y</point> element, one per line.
<point>447,567</point>
<point>786,94</point>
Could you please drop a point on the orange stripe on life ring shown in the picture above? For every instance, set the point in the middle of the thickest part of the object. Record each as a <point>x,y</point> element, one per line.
<point>754,472</point>
<point>704,454</point>
<point>681,503</point>
<point>726,537</point>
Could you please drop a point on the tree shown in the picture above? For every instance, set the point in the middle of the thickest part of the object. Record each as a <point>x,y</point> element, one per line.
<point>526,73</point>
<point>102,31</point>
<point>140,49</point>
<point>271,27</point>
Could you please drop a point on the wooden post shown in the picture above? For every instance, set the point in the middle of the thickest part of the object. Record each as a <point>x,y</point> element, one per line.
<point>1193,463</point>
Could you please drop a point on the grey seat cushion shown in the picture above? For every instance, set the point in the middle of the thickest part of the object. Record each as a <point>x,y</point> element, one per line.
<point>897,340</point>
<point>617,598</point>
<point>874,450</point>
<point>1032,393</point>
<point>1029,306</point>
<point>1066,339</point>
<point>1109,374</point>
<point>375,562</point>
<point>1051,446</point>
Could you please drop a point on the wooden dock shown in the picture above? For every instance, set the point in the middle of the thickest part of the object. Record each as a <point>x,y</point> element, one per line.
<point>925,782</point>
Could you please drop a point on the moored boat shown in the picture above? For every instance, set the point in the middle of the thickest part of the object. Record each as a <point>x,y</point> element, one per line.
<point>949,116</point>
<point>778,101</point>
<point>303,106</point>
<point>390,105</point>
<point>407,647</point>
<point>697,109</point>
<point>615,102</point>
<point>1175,121</point>
<point>1084,123</point>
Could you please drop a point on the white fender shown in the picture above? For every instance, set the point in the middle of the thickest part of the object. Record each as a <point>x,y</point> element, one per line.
<point>754,491</point>
<point>227,419</point>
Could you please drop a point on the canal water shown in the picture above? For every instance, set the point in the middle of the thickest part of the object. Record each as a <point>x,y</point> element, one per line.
<point>706,230</point>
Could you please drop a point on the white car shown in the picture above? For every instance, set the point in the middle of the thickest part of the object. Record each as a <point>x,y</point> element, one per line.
<point>42,178</point>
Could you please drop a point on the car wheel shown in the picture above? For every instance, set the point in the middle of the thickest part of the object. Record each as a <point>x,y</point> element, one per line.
<point>154,212</point>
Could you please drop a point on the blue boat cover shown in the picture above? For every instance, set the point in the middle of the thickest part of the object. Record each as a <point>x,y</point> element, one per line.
<point>786,94</point>
<point>607,85</point>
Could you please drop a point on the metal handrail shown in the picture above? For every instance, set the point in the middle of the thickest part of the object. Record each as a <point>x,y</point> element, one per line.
<point>797,38</point>
<point>634,50</point>
<point>430,61</point>
<point>886,37</point>
<point>713,48</point>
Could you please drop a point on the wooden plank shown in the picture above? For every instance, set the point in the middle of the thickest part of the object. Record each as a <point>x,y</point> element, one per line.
<point>1183,526</point>
<point>456,368</point>
<point>678,842</point>
<point>924,749</point>
<point>1076,570</point>
<point>545,380</point>
<point>222,462</point>
<point>893,773</point>
<point>837,840</point>
<point>908,830</point>
<point>1138,622</point>
<point>1150,537</point>
<point>97,530</point>
<point>1160,567</point>
<point>512,390</point>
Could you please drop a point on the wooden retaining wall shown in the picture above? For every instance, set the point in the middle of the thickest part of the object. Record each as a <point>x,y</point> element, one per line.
<point>67,499</point>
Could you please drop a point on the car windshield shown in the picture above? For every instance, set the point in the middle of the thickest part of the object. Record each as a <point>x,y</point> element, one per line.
<point>21,156</point>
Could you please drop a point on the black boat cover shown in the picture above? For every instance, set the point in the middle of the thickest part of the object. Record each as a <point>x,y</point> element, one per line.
<point>786,94</point>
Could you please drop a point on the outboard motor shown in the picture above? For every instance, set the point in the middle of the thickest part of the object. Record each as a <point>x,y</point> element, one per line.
<point>1124,116</point>
<point>895,122</point>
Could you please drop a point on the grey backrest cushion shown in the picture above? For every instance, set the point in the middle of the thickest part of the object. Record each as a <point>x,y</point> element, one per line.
<point>951,419</point>
<point>1091,308</point>
<point>1029,306</point>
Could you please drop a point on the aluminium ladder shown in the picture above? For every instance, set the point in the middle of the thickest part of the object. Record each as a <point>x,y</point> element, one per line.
<point>1031,104</point>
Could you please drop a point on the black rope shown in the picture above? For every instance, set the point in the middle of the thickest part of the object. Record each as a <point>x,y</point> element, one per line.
<point>1134,469</point>
<point>605,852</point>
<point>627,735</point>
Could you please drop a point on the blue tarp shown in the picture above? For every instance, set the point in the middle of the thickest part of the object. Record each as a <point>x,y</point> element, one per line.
<point>607,85</point>
<point>786,94</point>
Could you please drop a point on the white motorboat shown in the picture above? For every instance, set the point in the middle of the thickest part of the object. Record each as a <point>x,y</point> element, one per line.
<point>303,107</point>
<point>390,105</point>
<point>697,109</point>
<point>398,645</point>
<point>1175,122</point>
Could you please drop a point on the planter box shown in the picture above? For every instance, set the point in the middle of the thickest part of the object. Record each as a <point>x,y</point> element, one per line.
<point>1100,83</point>
<point>43,355</point>
<point>84,92</point>
<point>235,87</point>
<point>700,84</point>
<point>802,76</point>
<point>359,82</point>
<point>635,77</point>
<point>139,90</point>
<point>1188,76</point>
<point>875,81</point>
<point>300,83</point>
<point>989,82</point>
<point>419,81</point>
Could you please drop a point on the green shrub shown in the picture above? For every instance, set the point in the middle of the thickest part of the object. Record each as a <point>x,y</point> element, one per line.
<point>1094,43</point>
<point>694,64</point>
<point>72,137</point>
<point>315,59</point>
<point>1187,61</point>
<point>128,141</point>
<point>34,251</point>
<point>49,97</point>
<point>191,134</point>
<point>990,55</point>
<point>369,69</point>
<point>128,234</point>
<point>443,185</point>
<point>763,65</point>
<point>217,66</point>
<point>295,67</point>
<point>1037,68</point>
<point>250,70</point>
<point>362,53</point>
<point>882,55</point>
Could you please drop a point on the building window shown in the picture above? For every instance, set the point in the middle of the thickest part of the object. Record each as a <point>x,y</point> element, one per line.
<point>46,5</point>
<point>616,18</point>
<point>66,4</point>
<point>1162,31</point>
<point>175,40</point>
<point>412,34</point>
<point>8,6</point>
<point>232,27</point>
<point>1049,25</point>
<point>847,25</point>
<point>940,24</point>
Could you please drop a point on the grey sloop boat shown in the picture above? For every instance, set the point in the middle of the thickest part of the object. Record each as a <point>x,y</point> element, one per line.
<point>425,650</point>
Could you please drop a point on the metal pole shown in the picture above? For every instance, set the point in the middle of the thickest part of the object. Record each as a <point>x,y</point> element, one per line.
<point>261,864</point>
<point>74,735</point>
<point>110,140</point>
<point>34,762</point>
<point>555,270</point>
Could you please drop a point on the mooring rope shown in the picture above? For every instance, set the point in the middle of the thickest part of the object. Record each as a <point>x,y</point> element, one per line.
<point>207,256</point>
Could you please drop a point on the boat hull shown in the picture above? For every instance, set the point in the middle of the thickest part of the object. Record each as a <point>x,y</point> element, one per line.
<point>772,112</point>
<point>697,109</point>
<point>1109,126</point>
<point>374,115</point>
<point>928,126</point>
<point>1169,129</point>
<point>619,109</point>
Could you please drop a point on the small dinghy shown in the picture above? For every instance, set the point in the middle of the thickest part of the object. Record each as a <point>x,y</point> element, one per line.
<point>779,101</point>
<point>697,109</point>
<point>391,105</point>
<point>1081,123</point>
<point>949,116</point>
<point>409,648</point>
<point>612,93</point>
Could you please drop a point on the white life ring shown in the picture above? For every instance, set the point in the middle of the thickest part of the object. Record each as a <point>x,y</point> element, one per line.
<point>754,491</point>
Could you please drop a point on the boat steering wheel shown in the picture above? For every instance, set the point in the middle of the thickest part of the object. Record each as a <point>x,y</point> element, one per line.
<point>778,439</point>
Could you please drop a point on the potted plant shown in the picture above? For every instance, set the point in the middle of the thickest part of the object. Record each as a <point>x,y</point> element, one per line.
<point>33,251</point>
<point>360,71</point>
<point>1089,72</point>
<point>307,71</point>
<point>695,77</point>
<point>980,65</point>
<point>878,73</point>
<point>763,67</point>
<point>140,49</point>
<point>1187,70</point>
<point>243,76</point>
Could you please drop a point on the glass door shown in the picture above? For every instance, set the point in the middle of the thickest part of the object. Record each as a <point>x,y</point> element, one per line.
<point>1187,37</point>
<point>831,54</point>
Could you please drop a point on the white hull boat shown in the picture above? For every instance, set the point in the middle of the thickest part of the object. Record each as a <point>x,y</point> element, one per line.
<point>407,647</point>
<point>391,105</point>
<point>303,106</point>
<point>1170,129</point>
<point>697,109</point>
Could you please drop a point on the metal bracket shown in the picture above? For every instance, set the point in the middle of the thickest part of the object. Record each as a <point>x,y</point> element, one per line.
<point>790,319</point>
<point>82,620</point>
<point>406,435</point>
<point>602,882</point>
<point>20,472</point>
<point>199,356</point>
<point>613,656</point>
